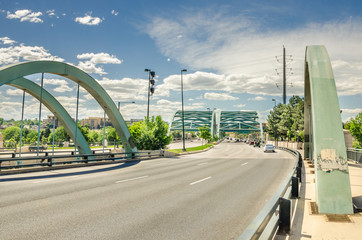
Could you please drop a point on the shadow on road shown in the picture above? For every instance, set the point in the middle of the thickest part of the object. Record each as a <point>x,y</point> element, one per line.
<point>123,165</point>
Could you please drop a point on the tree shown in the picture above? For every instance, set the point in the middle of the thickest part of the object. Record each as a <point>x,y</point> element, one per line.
<point>355,127</point>
<point>150,134</point>
<point>286,121</point>
<point>12,134</point>
<point>61,135</point>
<point>93,136</point>
<point>205,132</point>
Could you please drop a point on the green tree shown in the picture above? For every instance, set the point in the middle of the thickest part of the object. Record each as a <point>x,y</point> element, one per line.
<point>150,134</point>
<point>285,121</point>
<point>205,132</point>
<point>61,135</point>
<point>32,136</point>
<point>93,136</point>
<point>355,128</point>
<point>12,133</point>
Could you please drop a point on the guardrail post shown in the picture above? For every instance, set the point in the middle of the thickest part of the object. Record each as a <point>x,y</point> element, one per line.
<point>284,215</point>
<point>295,187</point>
<point>86,159</point>
<point>356,156</point>
<point>14,154</point>
<point>299,173</point>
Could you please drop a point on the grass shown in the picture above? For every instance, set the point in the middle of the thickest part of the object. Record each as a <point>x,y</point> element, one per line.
<point>193,149</point>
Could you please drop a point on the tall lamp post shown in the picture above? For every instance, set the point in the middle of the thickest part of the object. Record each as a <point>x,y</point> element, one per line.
<point>183,122</point>
<point>275,129</point>
<point>119,104</point>
<point>151,89</point>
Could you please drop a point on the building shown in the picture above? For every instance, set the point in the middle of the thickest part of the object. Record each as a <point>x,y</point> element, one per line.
<point>95,122</point>
<point>49,122</point>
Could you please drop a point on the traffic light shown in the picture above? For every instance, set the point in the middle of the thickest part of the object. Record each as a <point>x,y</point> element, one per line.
<point>152,82</point>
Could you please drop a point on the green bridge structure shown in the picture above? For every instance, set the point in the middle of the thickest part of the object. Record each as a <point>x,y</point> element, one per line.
<point>219,122</point>
<point>324,139</point>
<point>15,74</point>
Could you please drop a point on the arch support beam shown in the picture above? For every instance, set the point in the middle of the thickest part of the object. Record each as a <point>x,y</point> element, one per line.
<point>324,140</point>
<point>56,108</point>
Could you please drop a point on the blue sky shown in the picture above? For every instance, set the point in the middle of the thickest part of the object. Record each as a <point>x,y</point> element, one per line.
<point>228,47</point>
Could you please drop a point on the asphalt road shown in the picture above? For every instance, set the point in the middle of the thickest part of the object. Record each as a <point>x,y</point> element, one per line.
<point>210,195</point>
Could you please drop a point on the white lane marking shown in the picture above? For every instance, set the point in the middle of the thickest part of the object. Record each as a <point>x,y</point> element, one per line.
<point>54,179</point>
<point>131,179</point>
<point>204,179</point>
<point>200,164</point>
<point>244,164</point>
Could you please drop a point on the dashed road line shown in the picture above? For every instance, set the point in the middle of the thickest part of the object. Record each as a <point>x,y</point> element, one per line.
<point>54,179</point>
<point>244,164</point>
<point>204,163</point>
<point>201,180</point>
<point>131,179</point>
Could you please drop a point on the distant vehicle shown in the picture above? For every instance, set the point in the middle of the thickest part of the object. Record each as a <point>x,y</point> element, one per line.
<point>257,144</point>
<point>237,140</point>
<point>269,148</point>
<point>251,143</point>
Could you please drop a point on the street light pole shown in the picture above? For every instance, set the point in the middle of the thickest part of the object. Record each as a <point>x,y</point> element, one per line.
<point>183,122</point>
<point>119,104</point>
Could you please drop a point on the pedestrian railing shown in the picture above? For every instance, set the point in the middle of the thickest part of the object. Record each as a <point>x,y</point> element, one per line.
<point>61,158</point>
<point>354,154</point>
<point>277,213</point>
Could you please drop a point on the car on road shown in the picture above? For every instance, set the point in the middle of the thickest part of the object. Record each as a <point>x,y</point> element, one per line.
<point>269,148</point>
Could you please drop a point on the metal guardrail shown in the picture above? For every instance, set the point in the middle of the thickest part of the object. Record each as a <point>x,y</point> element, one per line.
<point>47,159</point>
<point>277,213</point>
<point>354,154</point>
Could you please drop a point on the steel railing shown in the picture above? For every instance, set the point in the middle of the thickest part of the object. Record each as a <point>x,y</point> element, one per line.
<point>48,159</point>
<point>276,214</point>
<point>354,154</point>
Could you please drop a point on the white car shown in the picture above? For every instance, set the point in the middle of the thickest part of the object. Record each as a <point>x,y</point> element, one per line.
<point>269,148</point>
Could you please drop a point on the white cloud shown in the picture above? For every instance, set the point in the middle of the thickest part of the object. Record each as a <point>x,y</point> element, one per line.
<point>257,98</point>
<point>14,54</point>
<point>89,66</point>
<point>26,15</point>
<point>113,12</point>
<point>100,58</point>
<point>240,106</point>
<point>354,111</point>
<point>230,83</point>
<point>7,40</point>
<point>51,12</point>
<point>14,92</point>
<point>126,89</point>
<point>61,85</point>
<point>219,96</point>
<point>88,20</point>
<point>242,49</point>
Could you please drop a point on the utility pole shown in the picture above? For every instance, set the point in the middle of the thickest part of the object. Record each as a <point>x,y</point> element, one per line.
<point>284,78</point>
<point>285,73</point>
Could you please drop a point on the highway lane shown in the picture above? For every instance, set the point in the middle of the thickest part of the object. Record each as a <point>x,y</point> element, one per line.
<point>210,195</point>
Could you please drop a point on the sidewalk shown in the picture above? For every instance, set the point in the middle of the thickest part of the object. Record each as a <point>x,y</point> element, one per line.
<point>317,226</point>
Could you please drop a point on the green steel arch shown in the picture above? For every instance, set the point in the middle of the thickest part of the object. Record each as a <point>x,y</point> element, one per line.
<point>15,71</point>
<point>56,108</point>
<point>193,120</point>
<point>238,121</point>
<point>218,121</point>
<point>324,139</point>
